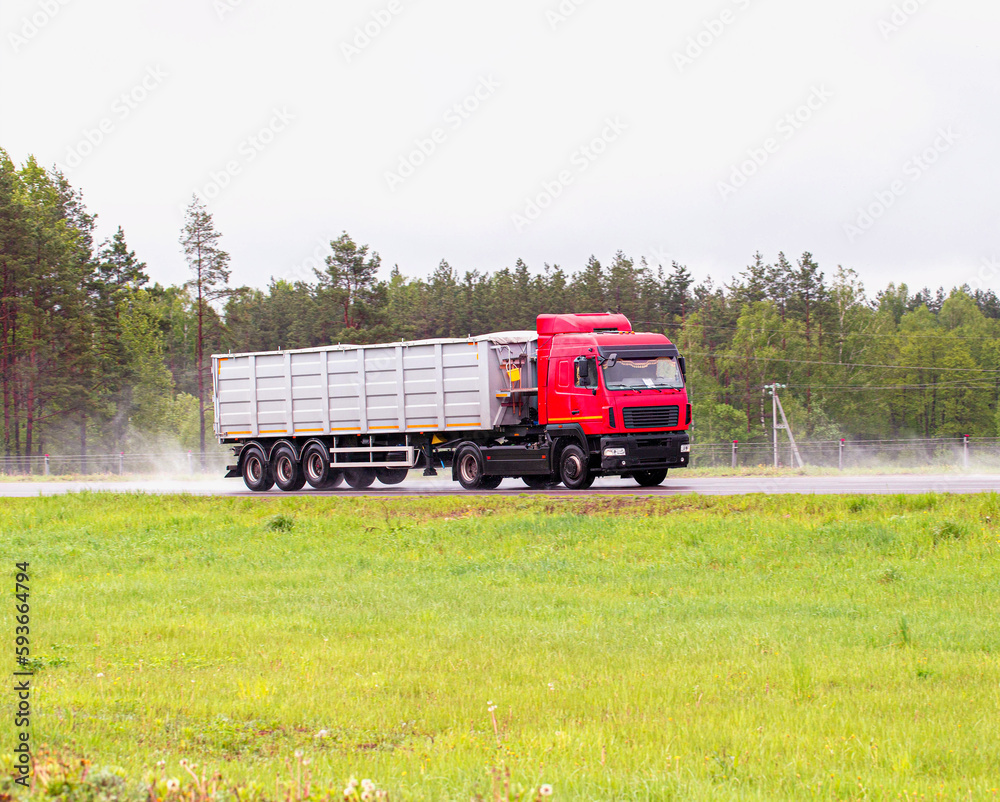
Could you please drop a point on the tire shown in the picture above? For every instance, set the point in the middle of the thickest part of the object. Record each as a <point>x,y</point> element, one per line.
<point>574,470</point>
<point>316,466</point>
<point>491,482</point>
<point>256,472</point>
<point>469,468</point>
<point>538,481</point>
<point>359,478</point>
<point>650,478</point>
<point>391,476</point>
<point>286,470</point>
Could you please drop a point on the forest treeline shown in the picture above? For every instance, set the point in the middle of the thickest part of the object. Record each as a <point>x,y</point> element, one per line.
<point>96,358</point>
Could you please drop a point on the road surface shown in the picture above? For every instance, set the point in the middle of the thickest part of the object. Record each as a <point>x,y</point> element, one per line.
<point>443,486</point>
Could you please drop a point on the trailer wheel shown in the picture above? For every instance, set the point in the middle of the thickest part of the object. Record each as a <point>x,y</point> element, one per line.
<point>469,468</point>
<point>391,476</point>
<point>287,472</point>
<point>316,467</point>
<point>491,482</point>
<point>650,478</point>
<point>574,469</point>
<point>255,470</point>
<point>359,478</point>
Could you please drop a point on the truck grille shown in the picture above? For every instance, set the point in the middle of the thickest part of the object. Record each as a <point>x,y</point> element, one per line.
<point>650,417</point>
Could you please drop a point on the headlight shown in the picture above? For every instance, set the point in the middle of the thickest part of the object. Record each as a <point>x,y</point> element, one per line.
<point>614,452</point>
<point>686,448</point>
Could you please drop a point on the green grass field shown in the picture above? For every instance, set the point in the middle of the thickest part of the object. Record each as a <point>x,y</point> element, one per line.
<point>689,647</point>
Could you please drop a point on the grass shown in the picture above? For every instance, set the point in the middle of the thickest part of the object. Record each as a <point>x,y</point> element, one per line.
<point>754,647</point>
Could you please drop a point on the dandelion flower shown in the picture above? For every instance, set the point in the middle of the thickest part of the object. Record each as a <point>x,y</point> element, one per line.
<point>173,785</point>
<point>367,785</point>
<point>298,753</point>
<point>545,790</point>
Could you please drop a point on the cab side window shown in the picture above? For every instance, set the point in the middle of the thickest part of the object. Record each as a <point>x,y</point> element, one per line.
<point>585,373</point>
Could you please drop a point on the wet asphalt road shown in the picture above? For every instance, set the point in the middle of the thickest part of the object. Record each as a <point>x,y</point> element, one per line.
<point>443,486</point>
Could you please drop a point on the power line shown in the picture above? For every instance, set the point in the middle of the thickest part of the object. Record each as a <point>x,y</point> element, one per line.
<point>740,358</point>
<point>937,386</point>
<point>829,331</point>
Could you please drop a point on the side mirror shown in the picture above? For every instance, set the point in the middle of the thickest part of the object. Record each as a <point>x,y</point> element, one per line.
<point>583,370</point>
<point>611,361</point>
<point>682,363</point>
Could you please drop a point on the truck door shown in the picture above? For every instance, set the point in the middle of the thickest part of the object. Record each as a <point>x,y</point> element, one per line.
<point>572,384</point>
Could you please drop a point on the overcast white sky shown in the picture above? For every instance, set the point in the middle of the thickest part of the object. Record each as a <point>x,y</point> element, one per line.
<point>658,128</point>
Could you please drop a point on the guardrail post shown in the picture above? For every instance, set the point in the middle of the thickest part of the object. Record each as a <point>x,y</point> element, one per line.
<point>736,448</point>
<point>46,464</point>
<point>965,451</point>
<point>840,455</point>
<point>190,462</point>
<point>121,464</point>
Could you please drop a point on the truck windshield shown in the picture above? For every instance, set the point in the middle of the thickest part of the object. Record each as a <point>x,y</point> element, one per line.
<point>638,372</point>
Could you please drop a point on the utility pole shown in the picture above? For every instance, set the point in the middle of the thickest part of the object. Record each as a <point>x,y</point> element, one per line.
<point>776,408</point>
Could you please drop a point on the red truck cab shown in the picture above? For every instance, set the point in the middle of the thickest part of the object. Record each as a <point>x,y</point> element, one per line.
<point>623,390</point>
<point>610,402</point>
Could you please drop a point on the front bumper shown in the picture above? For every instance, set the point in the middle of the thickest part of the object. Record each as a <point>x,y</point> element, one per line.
<point>644,452</point>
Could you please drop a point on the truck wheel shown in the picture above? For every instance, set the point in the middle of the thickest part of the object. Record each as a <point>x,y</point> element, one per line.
<point>256,473</point>
<point>316,466</point>
<point>650,478</point>
<point>469,468</point>
<point>391,476</point>
<point>491,482</point>
<point>574,469</point>
<point>538,481</point>
<point>359,478</point>
<point>287,472</point>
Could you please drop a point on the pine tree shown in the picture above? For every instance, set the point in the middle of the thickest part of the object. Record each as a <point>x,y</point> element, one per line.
<point>350,281</point>
<point>209,266</point>
<point>118,275</point>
